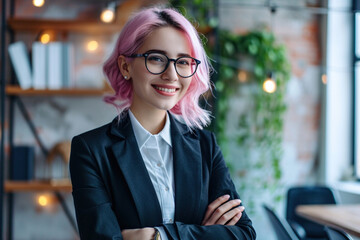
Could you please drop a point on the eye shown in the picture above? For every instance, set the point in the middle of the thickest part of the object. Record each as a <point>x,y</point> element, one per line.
<point>184,61</point>
<point>157,58</point>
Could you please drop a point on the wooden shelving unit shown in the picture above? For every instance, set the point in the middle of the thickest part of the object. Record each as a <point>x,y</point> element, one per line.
<point>17,91</point>
<point>62,28</point>
<point>37,185</point>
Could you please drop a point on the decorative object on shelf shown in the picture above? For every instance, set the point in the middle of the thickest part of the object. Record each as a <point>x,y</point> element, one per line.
<point>22,163</point>
<point>60,151</point>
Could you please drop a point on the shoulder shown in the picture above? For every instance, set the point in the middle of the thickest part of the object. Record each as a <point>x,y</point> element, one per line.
<point>183,129</point>
<point>205,137</point>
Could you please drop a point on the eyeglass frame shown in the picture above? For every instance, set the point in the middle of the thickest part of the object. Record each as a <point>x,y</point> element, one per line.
<point>145,55</point>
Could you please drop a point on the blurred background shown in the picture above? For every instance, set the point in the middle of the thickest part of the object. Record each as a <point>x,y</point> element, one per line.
<point>284,99</point>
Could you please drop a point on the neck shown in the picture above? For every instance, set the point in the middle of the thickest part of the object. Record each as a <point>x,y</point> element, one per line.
<point>152,121</point>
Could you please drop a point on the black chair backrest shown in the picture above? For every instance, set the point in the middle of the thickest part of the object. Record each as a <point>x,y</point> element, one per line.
<point>282,230</point>
<point>308,195</point>
<point>336,234</point>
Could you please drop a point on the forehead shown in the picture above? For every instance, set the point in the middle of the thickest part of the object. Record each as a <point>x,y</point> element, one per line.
<point>167,39</point>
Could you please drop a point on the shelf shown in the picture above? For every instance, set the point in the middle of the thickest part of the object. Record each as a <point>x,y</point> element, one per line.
<point>16,90</point>
<point>84,26</point>
<point>37,185</point>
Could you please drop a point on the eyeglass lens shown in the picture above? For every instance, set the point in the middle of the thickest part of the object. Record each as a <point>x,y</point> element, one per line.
<point>157,63</point>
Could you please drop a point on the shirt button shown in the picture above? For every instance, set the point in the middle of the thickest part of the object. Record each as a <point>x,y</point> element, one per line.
<point>166,189</point>
<point>171,220</point>
<point>158,164</point>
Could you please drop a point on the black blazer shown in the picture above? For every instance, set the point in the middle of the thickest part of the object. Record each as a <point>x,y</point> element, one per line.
<point>113,191</point>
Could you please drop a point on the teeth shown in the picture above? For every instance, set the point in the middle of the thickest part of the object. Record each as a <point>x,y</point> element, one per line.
<point>169,90</point>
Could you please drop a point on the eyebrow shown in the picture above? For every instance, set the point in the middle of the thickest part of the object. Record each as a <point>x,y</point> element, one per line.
<point>164,52</point>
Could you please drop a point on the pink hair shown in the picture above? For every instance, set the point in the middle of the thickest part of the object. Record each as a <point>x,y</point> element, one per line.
<point>130,40</point>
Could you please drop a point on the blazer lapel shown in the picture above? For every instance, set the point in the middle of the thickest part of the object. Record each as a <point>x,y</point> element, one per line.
<point>187,171</point>
<point>137,178</point>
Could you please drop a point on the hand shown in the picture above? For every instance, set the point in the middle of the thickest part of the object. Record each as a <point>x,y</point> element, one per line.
<point>139,234</point>
<point>222,212</point>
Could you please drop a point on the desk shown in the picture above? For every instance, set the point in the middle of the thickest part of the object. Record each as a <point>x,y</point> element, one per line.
<point>346,217</point>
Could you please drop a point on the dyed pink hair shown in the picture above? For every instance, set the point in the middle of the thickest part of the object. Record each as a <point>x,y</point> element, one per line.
<point>130,40</point>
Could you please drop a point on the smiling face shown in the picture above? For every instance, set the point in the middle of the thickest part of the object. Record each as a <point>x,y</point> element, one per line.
<point>157,93</point>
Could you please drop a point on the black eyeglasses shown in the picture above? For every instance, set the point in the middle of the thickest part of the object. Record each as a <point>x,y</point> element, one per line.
<point>157,63</point>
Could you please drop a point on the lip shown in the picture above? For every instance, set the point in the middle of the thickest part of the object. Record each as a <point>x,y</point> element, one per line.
<point>165,90</point>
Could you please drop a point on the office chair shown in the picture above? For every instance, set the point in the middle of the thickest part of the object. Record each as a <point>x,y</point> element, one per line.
<point>282,230</point>
<point>305,195</point>
<point>336,234</point>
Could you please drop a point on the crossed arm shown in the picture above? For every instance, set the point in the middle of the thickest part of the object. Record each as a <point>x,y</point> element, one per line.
<point>221,212</point>
<point>97,220</point>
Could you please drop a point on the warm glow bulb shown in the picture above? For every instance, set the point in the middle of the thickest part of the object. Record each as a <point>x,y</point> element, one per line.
<point>242,76</point>
<point>324,79</point>
<point>269,85</point>
<point>107,15</point>
<point>43,200</point>
<point>45,38</point>
<point>38,3</point>
<point>92,46</point>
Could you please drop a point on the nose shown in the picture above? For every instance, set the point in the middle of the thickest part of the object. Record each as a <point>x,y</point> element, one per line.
<point>170,73</point>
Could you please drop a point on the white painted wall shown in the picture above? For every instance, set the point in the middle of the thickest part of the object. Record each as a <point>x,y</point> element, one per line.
<point>338,99</point>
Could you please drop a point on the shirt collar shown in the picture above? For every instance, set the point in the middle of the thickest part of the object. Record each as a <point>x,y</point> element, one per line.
<point>142,135</point>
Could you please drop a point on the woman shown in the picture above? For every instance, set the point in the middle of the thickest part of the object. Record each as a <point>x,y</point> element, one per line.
<point>153,173</point>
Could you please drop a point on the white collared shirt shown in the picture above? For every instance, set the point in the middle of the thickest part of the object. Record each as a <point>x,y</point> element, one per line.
<point>156,151</point>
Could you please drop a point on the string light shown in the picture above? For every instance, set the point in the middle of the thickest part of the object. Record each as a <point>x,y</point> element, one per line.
<point>242,76</point>
<point>45,38</point>
<point>43,200</point>
<point>269,84</point>
<point>38,3</point>
<point>108,14</point>
<point>92,46</point>
<point>324,78</point>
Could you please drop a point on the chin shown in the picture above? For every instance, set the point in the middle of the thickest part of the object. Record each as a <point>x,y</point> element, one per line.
<point>166,107</point>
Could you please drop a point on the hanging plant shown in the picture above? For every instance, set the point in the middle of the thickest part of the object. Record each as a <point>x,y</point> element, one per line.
<point>254,145</point>
<point>246,61</point>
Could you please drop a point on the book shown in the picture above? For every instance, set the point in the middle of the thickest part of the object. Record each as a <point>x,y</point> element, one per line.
<point>20,60</point>
<point>22,163</point>
<point>40,65</point>
<point>68,65</point>
<point>55,66</point>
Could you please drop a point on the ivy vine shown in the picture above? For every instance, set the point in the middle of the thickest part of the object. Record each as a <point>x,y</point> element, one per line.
<point>259,126</point>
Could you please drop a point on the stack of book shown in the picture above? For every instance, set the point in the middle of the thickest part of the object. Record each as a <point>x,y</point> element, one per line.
<point>52,65</point>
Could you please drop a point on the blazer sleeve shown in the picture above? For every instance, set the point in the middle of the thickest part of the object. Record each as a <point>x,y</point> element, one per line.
<point>94,214</point>
<point>220,184</point>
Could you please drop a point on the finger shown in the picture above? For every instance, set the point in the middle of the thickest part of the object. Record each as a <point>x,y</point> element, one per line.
<point>214,205</point>
<point>235,219</point>
<point>229,215</point>
<point>222,210</point>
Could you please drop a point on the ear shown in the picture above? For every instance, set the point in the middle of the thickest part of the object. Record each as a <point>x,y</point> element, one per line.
<point>124,67</point>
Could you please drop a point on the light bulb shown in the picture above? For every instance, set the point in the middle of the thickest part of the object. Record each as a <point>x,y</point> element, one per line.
<point>269,85</point>
<point>43,200</point>
<point>107,15</point>
<point>92,46</point>
<point>38,3</point>
<point>242,76</point>
<point>45,38</point>
<point>324,78</point>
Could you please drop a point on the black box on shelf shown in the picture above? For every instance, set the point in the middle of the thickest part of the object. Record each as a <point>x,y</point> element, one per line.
<point>22,163</point>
